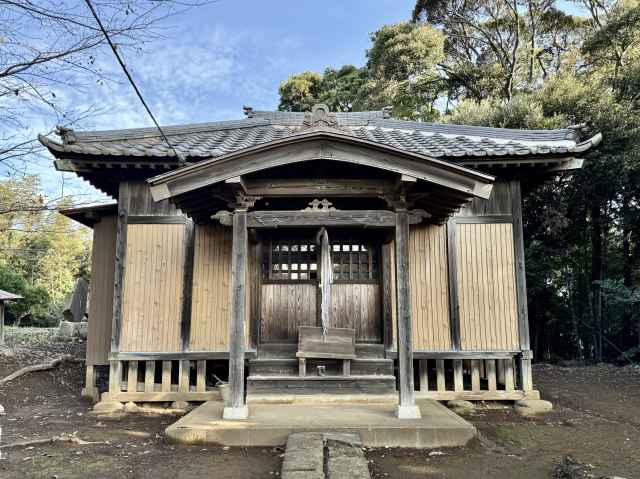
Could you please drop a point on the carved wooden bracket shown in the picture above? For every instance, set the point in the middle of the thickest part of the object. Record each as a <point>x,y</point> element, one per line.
<point>320,206</point>
<point>244,202</point>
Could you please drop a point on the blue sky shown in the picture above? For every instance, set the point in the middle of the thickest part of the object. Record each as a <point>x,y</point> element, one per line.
<point>216,58</point>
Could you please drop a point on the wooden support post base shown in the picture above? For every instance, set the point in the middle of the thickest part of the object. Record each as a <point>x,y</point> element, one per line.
<point>235,413</point>
<point>408,412</point>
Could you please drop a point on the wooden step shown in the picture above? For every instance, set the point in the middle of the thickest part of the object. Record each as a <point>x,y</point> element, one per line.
<point>309,385</point>
<point>289,367</point>
<point>288,351</point>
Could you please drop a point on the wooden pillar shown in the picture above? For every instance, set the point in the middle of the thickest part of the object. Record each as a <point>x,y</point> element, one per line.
<point>121,253</point>
<point>525,379</point>
<point>407,408</point>
<point>237,408</point>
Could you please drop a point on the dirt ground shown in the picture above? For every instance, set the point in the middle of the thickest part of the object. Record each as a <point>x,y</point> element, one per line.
<point>596,420</point>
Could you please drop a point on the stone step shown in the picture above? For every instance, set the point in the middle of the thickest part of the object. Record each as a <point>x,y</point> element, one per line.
<point>325,385</point>
<point>289,367</point>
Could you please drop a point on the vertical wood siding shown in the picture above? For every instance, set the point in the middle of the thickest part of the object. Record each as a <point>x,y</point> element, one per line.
<point>357,306</point>
<point>211,307</point>
<point>499,203</point>
<point>101,299</point>
<point>486,287</point>
<point>153,288</point>
<point>285,307</point>
<point>429,288</point>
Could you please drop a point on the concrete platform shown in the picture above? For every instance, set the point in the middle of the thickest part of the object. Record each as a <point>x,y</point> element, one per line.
<point>377,425</point>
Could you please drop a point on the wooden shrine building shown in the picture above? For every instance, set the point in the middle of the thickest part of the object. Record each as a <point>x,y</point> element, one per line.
<point>311,253</point>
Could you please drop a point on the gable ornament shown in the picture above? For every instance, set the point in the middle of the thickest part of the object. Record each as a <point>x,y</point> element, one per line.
<point>320,116</point>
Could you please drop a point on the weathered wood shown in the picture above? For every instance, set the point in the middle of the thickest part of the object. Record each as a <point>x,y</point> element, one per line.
<point>335,343</point>
<point>201,384</point>
<point>132,376</point>
<point>90,390</point>
<point>302,367</point>
<point>365,218</point>
<point>458,384</point>
<point>103,254</point>
<point>521,278</point>
<point>120,258</point>
<point>500,371</point>
<point>346,367</point>
<point>403,306</point>
<point>149,376</point>
<point>454,305</point>
<point>187,283</point>
<point>424,375</point>
<point>317,187</point>
<point>490,364</point>
<point>478,396</point>
<point>475,375</point>
<point>165,356</point>
<point>115,376</point>
<point>338,385</point>
<point>166,376</point>
<point>151,220</point>
<point>339,148</point>
<point>387,295</point>
<point>488,219</point>
<point>421,354</point>
<point>526,382</point>
<point>238,309</point>
<point>162,396</point>
<point>183,375</point>
<point>509,383</point>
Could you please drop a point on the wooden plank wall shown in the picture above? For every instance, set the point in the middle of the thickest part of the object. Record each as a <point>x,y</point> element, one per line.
<point>101,300</point>
<point>152,296</point>
<point>285,307</point>
<point>358,306</point>
<point>486,286</point>
<point>429,288</point>
<point>499,203</point>
<point>211,307</point>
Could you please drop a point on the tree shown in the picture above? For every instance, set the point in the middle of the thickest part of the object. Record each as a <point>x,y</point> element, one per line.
<point>51,46</point>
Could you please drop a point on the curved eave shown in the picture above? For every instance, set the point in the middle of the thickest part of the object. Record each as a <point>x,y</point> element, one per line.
<point>320,145</point>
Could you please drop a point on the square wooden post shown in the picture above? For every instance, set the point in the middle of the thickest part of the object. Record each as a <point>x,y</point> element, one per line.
<point>407,408</point>
<point>237,408</point>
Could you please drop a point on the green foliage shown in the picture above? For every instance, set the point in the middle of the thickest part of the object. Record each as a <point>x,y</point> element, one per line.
<point>512,64</point>
<point>41,251</point>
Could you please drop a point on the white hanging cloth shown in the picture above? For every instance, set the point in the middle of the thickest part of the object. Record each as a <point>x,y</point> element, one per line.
<point>326,278</point>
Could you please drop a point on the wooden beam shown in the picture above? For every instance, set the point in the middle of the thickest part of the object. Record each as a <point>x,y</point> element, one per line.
<point>1,323</point>
<point>483,219</point>
<point>165,356</point>
<point>317,187</point>
<point>286,218</point>
<point>454,305</point>
<point>407,407</point>
<point>237,408</point>
<point>428,354</point>
<point>153,220</point>
<point>187,283</point>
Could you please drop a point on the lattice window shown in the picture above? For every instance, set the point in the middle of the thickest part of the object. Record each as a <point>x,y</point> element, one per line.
<point>290,260</point>
<point>354,261</point>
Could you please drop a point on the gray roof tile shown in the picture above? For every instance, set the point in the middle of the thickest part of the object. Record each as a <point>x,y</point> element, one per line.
<point>205,140</point>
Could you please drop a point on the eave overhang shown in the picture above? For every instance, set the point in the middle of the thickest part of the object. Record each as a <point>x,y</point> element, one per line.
<point>89,215</point>
<point>321,144</point>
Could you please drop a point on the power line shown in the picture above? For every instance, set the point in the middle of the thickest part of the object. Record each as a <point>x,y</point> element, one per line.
<point>133,83</point>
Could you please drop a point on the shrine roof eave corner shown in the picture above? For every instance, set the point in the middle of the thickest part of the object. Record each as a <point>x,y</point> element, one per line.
<point>321,144</point>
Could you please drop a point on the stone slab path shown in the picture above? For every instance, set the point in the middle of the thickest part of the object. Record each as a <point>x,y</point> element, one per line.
<point>315,455</point>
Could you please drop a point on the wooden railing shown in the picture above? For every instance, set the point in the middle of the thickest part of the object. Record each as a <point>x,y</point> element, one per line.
<point>159,381</point>
<point>474,378</point>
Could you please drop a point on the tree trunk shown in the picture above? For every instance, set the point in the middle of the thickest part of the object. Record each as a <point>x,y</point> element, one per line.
<point>596,276</point>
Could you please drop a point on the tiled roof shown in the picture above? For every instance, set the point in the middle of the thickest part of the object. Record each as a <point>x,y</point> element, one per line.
<point>206,140</point>
<point>6,296</point>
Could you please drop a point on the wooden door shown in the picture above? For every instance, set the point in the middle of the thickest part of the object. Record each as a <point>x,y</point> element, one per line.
<point>290,293</point>
<point>289,289</point>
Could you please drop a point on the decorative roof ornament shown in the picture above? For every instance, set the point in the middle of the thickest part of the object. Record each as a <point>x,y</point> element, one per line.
<point>66,134</point>
<point>320,116</point>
